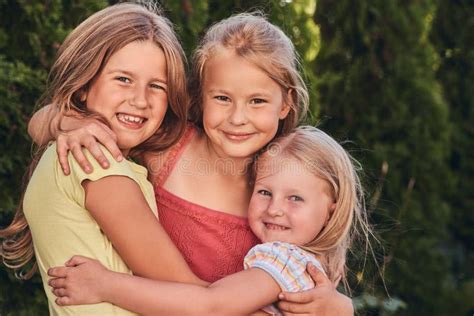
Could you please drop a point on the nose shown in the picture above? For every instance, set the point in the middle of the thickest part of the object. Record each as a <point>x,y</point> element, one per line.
<point>238,115</point>
<point>139,97</point>
<point>275,208</point>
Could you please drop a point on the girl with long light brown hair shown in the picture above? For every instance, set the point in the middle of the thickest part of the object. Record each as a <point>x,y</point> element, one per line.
<point>123,66</point>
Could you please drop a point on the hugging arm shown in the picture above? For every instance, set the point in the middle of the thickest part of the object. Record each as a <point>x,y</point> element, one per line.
<point>39,126</point>
<point>74,133</point>
<point>119,207</point>
<point>237,294</point>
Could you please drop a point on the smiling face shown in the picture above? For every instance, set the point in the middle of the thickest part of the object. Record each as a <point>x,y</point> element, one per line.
<point>289,203</point>
<point>242,106</point>
<point>130,93</point>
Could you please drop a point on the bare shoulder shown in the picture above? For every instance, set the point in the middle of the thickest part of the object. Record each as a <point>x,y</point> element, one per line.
<point>156,161</point>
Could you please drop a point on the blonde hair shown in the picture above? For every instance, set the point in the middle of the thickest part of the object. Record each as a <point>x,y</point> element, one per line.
<point>262,44</point>
<point>79,61</point>
<point>326,159</point>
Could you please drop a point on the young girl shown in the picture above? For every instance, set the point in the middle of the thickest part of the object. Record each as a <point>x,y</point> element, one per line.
<point>306,197</point>
<point>123,65</point>
<point>245,90</point>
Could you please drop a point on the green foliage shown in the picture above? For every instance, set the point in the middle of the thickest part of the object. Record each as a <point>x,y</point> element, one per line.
<point>453,37</point>
<point>377,85</point>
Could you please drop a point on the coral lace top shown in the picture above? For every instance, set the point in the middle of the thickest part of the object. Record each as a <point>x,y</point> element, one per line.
<point>213,243</point>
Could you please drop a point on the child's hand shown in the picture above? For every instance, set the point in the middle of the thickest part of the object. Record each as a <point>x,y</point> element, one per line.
<point>89,135</point>
<point>79,282</point>
<point>322,300</point>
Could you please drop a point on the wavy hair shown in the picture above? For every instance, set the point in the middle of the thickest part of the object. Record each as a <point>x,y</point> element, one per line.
<point>79,61</point>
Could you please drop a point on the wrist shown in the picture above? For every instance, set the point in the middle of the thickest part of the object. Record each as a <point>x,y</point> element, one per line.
<point>106,284</point>
<point>345,305</point>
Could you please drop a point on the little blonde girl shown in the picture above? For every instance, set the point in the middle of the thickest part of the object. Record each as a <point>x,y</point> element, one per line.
<point>246,90</point>
<point>123,65</point>
<point>305,202</point>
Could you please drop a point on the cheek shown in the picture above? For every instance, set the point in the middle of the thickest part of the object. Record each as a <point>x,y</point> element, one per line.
<point>314,225</point>
<point>211,115</point>
<point>256,207</point>
<point>160,109</point>
<point>268,120</point>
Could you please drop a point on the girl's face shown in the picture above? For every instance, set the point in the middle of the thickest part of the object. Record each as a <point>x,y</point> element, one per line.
<point>130,92</point>
<point>289,203</point>
<point>242,106</point>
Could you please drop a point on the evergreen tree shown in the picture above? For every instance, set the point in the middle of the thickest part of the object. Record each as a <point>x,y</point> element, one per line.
<point>377,87</point>
<point>453,37</point>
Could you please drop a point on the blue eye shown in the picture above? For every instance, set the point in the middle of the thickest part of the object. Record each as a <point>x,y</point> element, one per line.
<point>157,86</point>
<point>264,192</point>
<point>258,101</point>
<point>222,98</point>
<point>123,79</point>
<point>296,198</point>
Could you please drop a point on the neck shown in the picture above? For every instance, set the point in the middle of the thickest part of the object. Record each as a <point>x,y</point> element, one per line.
<point>229,167</point>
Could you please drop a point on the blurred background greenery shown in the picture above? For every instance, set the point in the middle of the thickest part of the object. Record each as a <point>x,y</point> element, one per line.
<point>392,79</point>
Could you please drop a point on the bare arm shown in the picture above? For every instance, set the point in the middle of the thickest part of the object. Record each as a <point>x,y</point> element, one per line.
<point>120,209</point>
<point>39,127</point>
<point>233,295</point>
<point>238,294</point>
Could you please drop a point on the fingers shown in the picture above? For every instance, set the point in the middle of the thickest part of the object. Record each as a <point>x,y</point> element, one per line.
<point>319,277</point>
<point>294,309</point>
<point>63,301</point>
<point>62,150</point>
<point>106,137</point>
<point>57,283</point>
<point>77,260</point>
<point>89,136</point>
<point>58,272</point>
<point>104,128</point>
<point>98,154</point>
<point>60,292</point>
<point>81,158</point>
<point>302,297</point>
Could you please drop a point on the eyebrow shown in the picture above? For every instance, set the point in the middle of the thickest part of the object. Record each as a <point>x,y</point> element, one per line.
<point>258,94</point>
<point>131,74</point>
<point>218,91</point>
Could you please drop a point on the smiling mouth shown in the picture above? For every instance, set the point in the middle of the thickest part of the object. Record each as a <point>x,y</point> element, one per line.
<point>131,121</point>
<point>271,226</point>
<point>238,136</point>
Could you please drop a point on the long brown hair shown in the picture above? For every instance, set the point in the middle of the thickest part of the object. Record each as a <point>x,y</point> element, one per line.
<point>79,61</point>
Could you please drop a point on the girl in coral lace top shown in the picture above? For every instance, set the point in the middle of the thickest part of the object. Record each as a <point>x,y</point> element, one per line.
<point>245,90</point>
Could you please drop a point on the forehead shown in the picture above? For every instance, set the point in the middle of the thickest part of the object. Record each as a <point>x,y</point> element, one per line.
<point>286,171</point>
<point>226,66</point>
<point>282,165</point>
<point>143,56</point>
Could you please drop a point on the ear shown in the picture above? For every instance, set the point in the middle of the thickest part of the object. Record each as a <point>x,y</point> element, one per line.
<point>286,105</point>
<point>331,209</point>
<point>83,96</point>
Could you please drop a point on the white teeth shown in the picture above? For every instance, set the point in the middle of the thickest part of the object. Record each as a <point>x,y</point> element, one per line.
<point>129,119</point>
<point>274,226</point>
